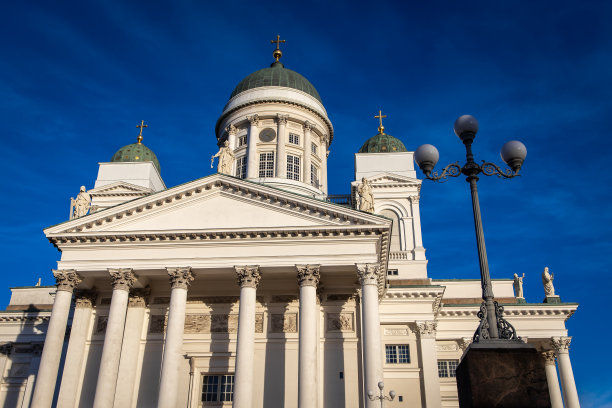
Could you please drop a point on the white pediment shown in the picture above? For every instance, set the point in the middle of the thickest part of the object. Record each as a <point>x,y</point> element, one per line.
<point>389,178</point>
<point>119,188</point>
<point>218,203</point>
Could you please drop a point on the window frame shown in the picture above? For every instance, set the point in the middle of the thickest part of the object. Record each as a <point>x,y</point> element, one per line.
<point>241,167</point>
<point>314,148</point>
<point>242,140</point>
<point>397,357</point>
<point>294,167</point>
<point>314,175</point>
<point>223,392</point>
<point>447,368</point>
<point>294,139</point>
<point>268,165</point>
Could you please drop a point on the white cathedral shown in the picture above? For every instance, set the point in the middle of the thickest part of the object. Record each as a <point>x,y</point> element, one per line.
<point>252,287</point>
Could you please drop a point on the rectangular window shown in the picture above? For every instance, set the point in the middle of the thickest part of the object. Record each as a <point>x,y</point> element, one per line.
<point>397,354</point>
<point>392,272</point>
<point>242,140</point>
<point>313,148</point>
<point>447,368</point>
<point>293,167</point>
<point>218,388</point>
<point>266,164</point>
<point>241,167</point>
<point>314,175</point>
<point>294,139</point>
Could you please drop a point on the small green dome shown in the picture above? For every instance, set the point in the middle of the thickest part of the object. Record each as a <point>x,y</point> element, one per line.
<point>382,143</point>
<point>136,152</point>
<point>276,75</point>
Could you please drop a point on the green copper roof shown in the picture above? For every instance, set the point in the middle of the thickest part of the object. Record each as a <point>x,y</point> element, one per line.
<point>382,143</point>
<point>276,75</point>
<point>136,152</point>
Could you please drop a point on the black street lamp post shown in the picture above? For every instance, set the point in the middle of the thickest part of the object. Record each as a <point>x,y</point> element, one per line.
<point>492,324</point>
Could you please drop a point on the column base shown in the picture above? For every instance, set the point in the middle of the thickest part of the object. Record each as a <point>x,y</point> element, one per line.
<point>502,374</point>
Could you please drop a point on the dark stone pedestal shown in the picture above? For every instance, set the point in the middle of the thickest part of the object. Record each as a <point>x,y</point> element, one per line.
<point>502,375</point>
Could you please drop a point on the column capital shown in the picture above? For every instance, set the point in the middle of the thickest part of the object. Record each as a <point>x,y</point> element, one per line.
<point>122,278</point>
<point>427,329</point>
<point>368,273</point>
<point>308,275</point>
<point>254,120</point>
<point>231,129</point>
<point>561,344</point>
<point>139,297</point>
<point>281,119</point>
<point>248,276</point>
<point>308,126</point>
<point>549,357</point>
<point>66,279</point>
<point>181,277</point>
<point>414,199</point>
<point>85,298</point>
<point>465,342</point>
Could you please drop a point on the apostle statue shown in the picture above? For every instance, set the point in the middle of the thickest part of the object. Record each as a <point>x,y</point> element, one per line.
<point>547,280</point>
<point>366,198</point>
<point>518,285</point>
<point>81,205</point>
<point>226,159</point>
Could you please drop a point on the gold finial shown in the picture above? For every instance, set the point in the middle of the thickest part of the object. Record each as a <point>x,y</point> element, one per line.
<point>277,52</point>
<point>142,125</point>
<point>380,117</point>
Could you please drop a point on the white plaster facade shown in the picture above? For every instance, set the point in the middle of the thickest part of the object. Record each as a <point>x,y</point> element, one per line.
<point>329,300</point>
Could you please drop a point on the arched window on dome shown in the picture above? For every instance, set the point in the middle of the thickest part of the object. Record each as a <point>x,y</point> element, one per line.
<point>395,245</point>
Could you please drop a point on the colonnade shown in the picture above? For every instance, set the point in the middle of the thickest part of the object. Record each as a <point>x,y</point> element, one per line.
<point>560,351</point>
<point>280,165</point>
<point>118,363</point>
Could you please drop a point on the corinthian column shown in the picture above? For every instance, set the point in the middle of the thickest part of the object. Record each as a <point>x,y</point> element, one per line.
<point>570,394</point>
<point>429,362</point>
<point>308,127</point>
<point>130,351</point>
<point>281,153</point>
<point>66,281</point>
<point>373,371</point>
<point>122,280</point>
<point>308,279</point>
<point>180,279</point>
<point>252,170</point>
<point>81,320</point>
<point>231,133</point>
<point>248,279</point>
<point>552,380</point>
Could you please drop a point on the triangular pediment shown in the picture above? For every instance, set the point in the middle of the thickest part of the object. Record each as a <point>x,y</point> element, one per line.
<point>389,178</point>
<point>216,203</point>
<point>119,188</point>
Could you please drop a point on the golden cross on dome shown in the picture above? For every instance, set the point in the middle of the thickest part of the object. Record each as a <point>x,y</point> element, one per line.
<point>277,52</point>
<point>380,117</point>
<point>141,126</point>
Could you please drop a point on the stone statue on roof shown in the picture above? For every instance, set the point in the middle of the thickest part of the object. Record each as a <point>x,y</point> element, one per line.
<point>518,285</point>
<point>226,159</point>
<point>366,198</point>
<point>81,205</point>
<point>547,280</point>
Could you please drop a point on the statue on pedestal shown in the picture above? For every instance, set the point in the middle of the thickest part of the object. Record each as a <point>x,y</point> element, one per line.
<point>366,198</point>
<point>226,159</point>
<point>81,205</point>
<point>518,285</point>
<point>547,280</point>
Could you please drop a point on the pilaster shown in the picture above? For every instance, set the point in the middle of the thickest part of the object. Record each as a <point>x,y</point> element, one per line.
<point>429,363</point>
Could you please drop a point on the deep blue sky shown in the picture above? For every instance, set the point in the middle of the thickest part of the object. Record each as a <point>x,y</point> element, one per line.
<point>77,77</point>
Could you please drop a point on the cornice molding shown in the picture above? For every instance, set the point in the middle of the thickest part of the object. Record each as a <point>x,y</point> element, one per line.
<point>511,310</point>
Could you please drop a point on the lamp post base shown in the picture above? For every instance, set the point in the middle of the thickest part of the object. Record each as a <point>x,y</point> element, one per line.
<point>502,373</point>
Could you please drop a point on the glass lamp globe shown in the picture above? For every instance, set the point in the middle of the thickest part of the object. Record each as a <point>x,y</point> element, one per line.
<point>392,394</point>
<point>513,153</point>
<point>466,126</point>
<point>426,156</point>
<point>370,393</point>
<point>381,385</point>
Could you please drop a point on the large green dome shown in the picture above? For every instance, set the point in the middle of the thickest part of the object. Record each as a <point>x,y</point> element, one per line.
<point>276,75</point>
<point>383,143</point>
<point>136,152</point>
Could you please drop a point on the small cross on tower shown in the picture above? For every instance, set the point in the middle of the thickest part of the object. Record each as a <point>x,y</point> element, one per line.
<point>277,52</point>
<point>141,126</point>
<point>380,117</point>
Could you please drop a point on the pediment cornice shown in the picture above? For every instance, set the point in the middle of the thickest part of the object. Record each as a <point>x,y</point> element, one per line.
<point>325,212</point>
<point>119,188</point>
<point>389,180</point>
